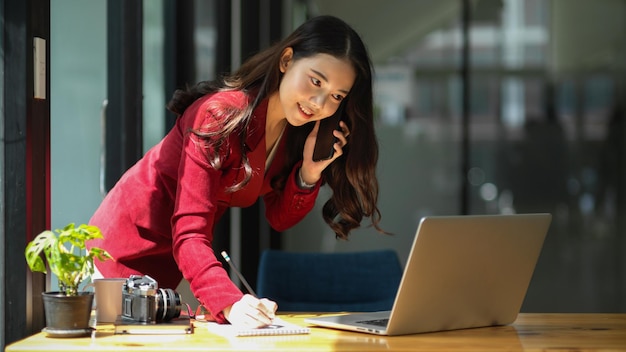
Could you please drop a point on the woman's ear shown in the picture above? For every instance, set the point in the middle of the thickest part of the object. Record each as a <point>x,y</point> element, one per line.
<point>285,59</point>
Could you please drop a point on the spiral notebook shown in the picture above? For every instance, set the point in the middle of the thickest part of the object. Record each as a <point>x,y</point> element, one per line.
<point>279,327</point>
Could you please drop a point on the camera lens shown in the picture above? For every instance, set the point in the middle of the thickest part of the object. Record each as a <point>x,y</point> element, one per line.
<point>169,303</point>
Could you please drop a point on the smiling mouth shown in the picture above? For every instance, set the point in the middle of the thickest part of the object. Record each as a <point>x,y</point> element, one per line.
<point>305,110</point>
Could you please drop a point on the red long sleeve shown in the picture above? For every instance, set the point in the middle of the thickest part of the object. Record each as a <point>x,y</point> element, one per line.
<point>159,218</point>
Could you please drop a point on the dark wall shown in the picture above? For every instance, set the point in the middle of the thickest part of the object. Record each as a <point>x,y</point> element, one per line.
<point>26,141</point>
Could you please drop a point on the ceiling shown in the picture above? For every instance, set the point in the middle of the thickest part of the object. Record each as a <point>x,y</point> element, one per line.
<point>387,27</point>
<point>582,34</point>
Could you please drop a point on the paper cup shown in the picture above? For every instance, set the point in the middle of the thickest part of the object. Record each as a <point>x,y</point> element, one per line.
<point>108,298</point>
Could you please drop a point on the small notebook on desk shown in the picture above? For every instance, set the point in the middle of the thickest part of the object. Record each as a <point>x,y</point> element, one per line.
<point>279,327</point>
<point>181,325</point>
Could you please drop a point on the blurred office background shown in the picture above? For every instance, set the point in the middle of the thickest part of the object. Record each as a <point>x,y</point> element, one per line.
<point>483,107</point>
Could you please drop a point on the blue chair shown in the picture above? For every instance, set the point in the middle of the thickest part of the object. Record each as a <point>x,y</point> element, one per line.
<point>329,282</point>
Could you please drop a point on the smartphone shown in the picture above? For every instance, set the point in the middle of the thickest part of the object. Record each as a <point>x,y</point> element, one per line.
<point>324,144</point>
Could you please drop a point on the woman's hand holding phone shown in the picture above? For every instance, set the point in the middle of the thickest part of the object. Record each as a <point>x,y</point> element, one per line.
<point>311,170</point>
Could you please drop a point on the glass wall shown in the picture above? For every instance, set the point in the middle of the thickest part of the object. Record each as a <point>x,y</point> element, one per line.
<point>153,73</point>
<point>546,131</point>
<point>78,93</point>
<point>78,67</point>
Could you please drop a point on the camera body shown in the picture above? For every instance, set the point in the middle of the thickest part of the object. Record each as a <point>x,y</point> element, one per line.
<point>144,302</point>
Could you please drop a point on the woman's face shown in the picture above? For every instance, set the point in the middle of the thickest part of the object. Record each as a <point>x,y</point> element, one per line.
<point>312,88</point>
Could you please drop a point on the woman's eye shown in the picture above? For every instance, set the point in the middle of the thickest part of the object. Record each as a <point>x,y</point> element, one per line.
<point>338,97</point>
<point>315,81</point>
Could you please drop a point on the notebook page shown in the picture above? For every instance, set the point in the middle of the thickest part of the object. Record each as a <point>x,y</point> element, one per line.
<point>279,327</point>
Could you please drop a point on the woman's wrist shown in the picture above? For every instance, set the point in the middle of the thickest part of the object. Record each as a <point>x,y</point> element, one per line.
<point>301,183</point>
<point>226,312</point>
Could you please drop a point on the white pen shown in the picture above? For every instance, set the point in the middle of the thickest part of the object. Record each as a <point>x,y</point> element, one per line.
<point>243,280</point>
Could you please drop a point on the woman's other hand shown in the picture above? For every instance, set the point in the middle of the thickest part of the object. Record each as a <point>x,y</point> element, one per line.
<point>251,312</point>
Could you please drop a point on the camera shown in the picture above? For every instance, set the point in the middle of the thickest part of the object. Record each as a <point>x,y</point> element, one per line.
<point>144,302</point>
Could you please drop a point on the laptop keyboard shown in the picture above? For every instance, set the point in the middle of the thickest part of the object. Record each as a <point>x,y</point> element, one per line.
<point>378,322</point>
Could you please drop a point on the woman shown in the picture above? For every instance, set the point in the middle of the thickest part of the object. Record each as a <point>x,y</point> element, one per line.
<point>250,135</point>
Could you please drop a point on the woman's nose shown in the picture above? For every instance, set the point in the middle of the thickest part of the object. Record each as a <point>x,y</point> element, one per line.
<point>318,100</point>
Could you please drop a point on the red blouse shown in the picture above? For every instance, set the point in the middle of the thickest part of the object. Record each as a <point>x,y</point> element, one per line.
<point>158,220</point>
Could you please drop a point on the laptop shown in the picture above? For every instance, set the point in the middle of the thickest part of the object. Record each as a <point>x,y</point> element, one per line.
<point>462,272</point>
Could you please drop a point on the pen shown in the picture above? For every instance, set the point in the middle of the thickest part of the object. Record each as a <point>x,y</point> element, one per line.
<point>241,278</point>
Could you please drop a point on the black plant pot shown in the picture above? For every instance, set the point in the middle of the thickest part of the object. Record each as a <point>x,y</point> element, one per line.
<point>67,316</point>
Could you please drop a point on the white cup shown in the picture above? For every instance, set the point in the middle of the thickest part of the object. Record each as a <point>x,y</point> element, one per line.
<point>108,292</point>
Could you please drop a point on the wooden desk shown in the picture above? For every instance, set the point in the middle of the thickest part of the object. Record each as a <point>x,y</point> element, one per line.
<point>565,332</point>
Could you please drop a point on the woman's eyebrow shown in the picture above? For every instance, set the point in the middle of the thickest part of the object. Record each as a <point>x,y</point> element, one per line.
<point>326,80</point>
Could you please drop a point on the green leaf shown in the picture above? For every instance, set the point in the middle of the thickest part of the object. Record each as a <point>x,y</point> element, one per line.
<point>66,254</point>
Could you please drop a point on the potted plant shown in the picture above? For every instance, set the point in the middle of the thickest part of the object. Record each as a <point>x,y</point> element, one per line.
<point>68,310</point>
